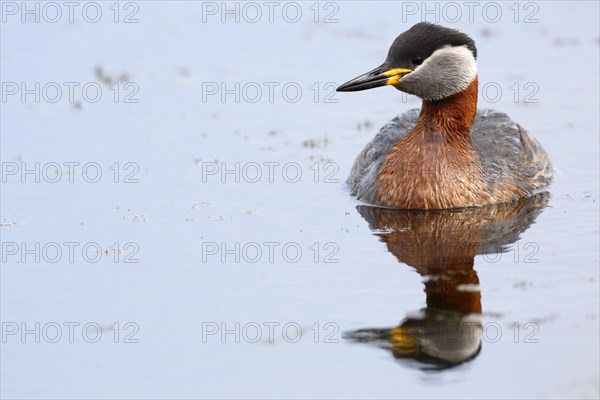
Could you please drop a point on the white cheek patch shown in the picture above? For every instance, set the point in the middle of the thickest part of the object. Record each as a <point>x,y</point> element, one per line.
<point>447,71</point>
<point>459,56</point>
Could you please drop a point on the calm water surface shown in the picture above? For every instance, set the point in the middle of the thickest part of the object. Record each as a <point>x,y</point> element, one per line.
<point>224,242</point>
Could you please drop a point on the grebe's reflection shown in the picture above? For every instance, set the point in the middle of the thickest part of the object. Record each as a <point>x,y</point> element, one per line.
<point>441,246</point>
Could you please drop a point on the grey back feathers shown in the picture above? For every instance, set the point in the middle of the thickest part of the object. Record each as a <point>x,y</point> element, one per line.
<point>508,153</point>
<point>368,163</point>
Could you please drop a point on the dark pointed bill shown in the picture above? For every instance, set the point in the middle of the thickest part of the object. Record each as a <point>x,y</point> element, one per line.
<point>375,78</point>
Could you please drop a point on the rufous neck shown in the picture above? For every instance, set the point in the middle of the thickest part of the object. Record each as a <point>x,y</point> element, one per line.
<point>452,116</point>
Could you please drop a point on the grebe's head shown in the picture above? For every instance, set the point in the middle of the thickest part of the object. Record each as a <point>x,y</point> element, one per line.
<point>427,60</point>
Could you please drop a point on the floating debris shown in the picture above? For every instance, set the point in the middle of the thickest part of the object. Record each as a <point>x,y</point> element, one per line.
<point>108,80</point>
<point>364,125</point>
<point>313,143</point>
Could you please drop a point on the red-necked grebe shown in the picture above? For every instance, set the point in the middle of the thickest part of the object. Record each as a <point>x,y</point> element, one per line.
<point>450,154</point>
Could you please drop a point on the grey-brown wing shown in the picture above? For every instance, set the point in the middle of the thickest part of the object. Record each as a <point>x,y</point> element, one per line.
<point>367,164</point>
<point>508,153</point>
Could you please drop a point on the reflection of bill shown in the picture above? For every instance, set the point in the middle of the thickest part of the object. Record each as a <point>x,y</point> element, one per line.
<point>438,336</point>
<point>441,246</point>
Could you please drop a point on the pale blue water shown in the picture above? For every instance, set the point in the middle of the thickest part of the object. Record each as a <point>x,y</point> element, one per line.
<point>178,219</point>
